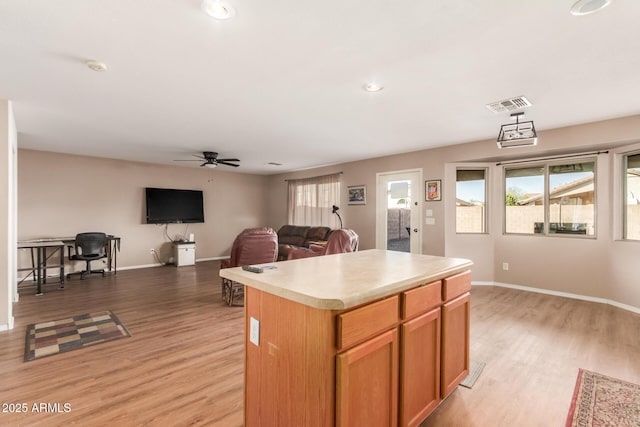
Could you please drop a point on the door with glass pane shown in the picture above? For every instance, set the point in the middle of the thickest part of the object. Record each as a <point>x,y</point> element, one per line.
<point>398,211</point>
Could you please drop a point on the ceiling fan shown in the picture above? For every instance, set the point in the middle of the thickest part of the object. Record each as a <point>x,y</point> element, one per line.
<point>211,160</point>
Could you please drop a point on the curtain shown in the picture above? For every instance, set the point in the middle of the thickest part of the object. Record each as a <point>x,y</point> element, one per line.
<point>311,199</point>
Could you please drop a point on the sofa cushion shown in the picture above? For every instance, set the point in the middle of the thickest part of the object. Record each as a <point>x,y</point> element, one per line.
<point>317,234</point>
<point>292,235</point>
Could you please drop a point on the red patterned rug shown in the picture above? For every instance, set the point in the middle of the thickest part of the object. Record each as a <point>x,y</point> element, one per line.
<point>599,400</point>
<point>59,336</point>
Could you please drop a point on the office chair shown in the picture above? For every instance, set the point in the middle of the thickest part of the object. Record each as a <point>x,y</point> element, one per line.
<point>89,247</point>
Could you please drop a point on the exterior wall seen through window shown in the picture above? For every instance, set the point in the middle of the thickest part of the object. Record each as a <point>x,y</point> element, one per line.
<point>471,191</point>
<point>551,199</point>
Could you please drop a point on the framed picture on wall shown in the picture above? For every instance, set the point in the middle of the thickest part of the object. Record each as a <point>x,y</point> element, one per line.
<point>433,190</point>
<point>357,194</point>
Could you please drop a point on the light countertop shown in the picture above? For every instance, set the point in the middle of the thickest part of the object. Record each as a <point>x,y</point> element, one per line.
<point>337,282</point>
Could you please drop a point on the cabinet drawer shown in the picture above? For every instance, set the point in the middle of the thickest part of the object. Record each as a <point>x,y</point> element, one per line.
<point>364,322</point>
<point>456,285</point>
<point>421,299</point>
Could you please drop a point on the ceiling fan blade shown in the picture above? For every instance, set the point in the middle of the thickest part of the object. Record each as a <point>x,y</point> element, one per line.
<point>228,160</point>
<point>199,157</point>
<point>221,162</point>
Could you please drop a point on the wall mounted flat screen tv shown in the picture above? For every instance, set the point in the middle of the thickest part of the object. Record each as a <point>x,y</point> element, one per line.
<point>165,206</point>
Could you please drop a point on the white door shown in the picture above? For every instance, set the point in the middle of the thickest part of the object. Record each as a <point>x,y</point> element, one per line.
<point>398,213</point>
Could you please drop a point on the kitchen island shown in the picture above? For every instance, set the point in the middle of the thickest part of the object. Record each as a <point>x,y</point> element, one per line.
<point>366,338</point>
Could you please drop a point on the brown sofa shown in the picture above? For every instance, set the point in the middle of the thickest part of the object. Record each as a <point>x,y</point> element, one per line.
<point>340,241</point>
<point>299,236</point>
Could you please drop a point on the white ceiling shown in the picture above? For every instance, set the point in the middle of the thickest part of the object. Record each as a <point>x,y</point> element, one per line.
<point>283,81</point>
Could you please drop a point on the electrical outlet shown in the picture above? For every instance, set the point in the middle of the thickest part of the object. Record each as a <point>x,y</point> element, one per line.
<point>254,331</point>
<point>505,266</point>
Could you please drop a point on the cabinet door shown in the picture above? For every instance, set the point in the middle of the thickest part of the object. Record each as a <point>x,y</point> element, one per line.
<point>419,368</point>
<point>455,342</point>
<point>367,383</point>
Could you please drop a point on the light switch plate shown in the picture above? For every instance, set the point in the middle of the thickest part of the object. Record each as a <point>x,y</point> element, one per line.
<point>254,331</point>
<point>429,212</point>
<point>431,221</point>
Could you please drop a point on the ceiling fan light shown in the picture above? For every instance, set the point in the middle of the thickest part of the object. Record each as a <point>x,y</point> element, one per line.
<point>210,165</point>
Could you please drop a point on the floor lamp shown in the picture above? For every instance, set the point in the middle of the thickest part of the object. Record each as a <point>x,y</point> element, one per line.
<point>334,210</point>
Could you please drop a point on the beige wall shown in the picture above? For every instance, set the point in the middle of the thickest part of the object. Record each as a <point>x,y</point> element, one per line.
<point>362,218</point>
<point>599,268</point>
<point>61,195</point>
<point>8,143</point>
<point>5,293</point>
<point>108,194</point>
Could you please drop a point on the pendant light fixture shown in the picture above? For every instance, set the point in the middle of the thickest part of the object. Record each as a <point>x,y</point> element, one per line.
<point>518,134</point>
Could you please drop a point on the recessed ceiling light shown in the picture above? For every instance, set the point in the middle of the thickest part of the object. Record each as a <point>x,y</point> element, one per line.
<point>96,65</point>
<point>218,9</point>
<point>585,7</point>
<point>373,87</point>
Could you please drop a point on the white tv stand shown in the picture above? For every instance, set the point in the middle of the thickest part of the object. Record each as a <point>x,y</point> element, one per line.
<point>184,253</point>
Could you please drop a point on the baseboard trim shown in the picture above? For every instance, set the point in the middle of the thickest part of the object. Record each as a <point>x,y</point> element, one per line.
<point>559,294</point>
<point>9,326</point>
<point>215,258</point>
<point>135,267</point>
<point>157,264</point>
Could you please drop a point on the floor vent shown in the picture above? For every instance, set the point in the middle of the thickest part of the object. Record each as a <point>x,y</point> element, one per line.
<point>508,105</point>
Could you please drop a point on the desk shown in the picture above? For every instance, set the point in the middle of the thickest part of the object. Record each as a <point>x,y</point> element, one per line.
<point>56,244</point>
<point>39,266</point>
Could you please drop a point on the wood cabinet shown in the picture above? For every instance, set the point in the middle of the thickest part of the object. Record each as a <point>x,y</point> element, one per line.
<point>385,362</point>
<point>420,353</point>
<point>455,331</point>
<point>420,367</point>
<point>433,354</point>
<point>455,342</point>
<point>367,383</point>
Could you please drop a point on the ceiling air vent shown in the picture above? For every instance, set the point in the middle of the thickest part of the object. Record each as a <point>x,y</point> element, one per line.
<point>508,105</point>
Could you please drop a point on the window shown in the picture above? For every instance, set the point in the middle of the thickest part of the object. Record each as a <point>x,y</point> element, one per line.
<point>556,198</point>
<point>631,209</point>
<point>311,200</point>
<point>471,190</point>
<point>524,204</point>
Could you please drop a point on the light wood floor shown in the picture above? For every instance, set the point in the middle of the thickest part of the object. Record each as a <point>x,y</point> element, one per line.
<point>533,345</point>
<point>184,363</point>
